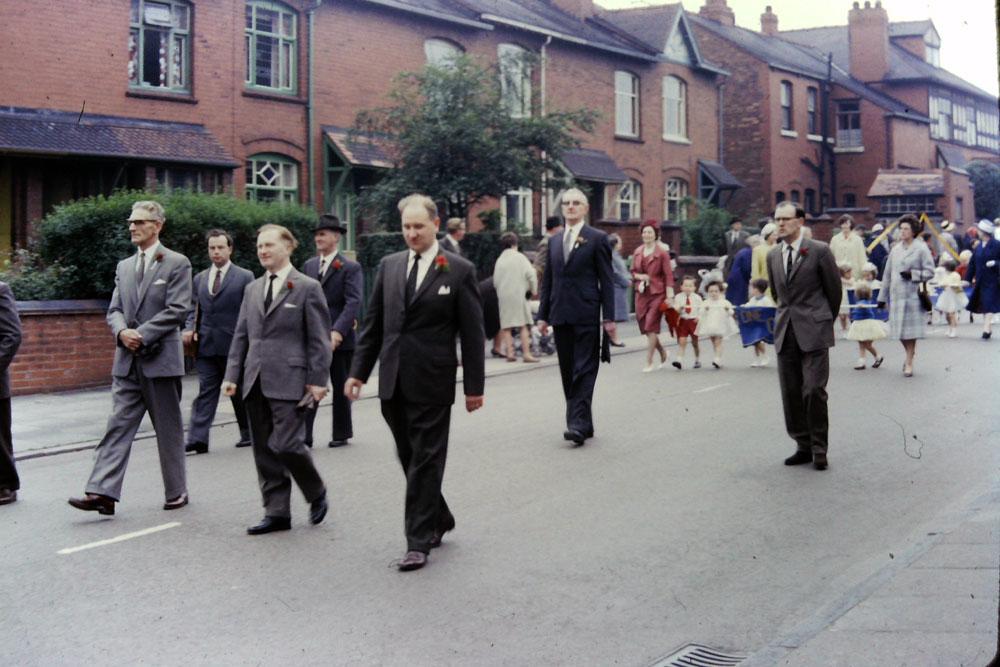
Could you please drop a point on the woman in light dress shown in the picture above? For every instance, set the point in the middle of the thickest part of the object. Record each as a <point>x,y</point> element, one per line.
<point>515,279</point>
<point>848,247</point>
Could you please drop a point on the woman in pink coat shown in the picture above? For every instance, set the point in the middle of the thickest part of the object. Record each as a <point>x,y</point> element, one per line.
<point>654,286</point>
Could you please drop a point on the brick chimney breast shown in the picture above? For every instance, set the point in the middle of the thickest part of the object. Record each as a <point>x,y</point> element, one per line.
<point>581,9</point>
<point>769,22</point>
<point>718,11</point>
<point>868,39</point>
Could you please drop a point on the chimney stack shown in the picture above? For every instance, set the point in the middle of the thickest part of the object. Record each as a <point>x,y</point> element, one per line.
<point>581,9</point>
<point>868,40</point>
<point>769,22</point>
<point>718,11</point>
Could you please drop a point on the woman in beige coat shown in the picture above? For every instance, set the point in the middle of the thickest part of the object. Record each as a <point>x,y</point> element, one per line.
<point>514,279</point>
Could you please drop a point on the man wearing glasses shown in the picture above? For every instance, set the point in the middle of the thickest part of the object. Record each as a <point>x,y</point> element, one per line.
<point>577,295</point>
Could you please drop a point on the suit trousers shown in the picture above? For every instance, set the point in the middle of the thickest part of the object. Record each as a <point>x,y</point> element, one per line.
<point>579,350</point>
<point>276,429</point>
<point>421,435</point>
<point>211,372</point>
<point>131,397</point>
<point>343,428</point>
<point>803,377</point>
<point>8,471</point>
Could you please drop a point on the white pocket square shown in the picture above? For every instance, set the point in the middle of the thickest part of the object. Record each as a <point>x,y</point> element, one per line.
<point>159,281</point>
<point>443,290</point>
<point>290,305</point>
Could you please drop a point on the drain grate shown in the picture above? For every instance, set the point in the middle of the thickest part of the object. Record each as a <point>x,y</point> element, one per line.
<point>698,655</point>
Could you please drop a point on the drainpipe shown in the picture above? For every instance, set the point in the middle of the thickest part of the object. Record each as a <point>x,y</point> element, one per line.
<point>720,87</point>
<point>545,198</point>
<point>309,108</point>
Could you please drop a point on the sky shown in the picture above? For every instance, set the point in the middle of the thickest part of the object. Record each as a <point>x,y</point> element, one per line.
<point>967,27</point>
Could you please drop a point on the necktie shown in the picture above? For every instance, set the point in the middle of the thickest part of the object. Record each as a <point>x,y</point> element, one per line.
<point>142,270</point>
<point>411,280</point>
<point>217,282</point>
<point>567,243</point>
<point>269,295</point>
<point>322,267</point>
<point>687,307</point>
<point>788,263</point>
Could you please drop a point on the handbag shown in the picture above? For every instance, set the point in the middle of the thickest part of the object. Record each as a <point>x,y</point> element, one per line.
<point>924,297</point>
<point>191,349</point>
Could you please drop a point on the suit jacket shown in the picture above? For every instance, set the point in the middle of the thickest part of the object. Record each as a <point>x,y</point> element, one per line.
<point>287,347</point>
<point>157,309</point>
<point>415,346</point>
<point>219,312</point>
<point>808,300</point>
<point>448,243</point>
<point>580,290</point>
<point>10,336</point>
<point>343,289</point>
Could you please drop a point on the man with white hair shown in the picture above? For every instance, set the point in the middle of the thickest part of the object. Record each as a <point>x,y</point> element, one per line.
<point>984,275</point>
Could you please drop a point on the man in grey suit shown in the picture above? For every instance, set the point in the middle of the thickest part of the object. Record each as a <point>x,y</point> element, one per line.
<point>10,340</point>
<point>735,240</point>
<point>280,358</point>
<point>218,294</point>
<point>804,276</point>
<point>148,307</point>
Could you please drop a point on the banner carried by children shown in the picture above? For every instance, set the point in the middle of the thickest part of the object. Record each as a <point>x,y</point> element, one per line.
<point>756,324</point>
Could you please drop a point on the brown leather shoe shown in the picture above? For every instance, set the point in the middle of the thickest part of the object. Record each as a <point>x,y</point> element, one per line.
<point>8,496</point>
<point>93,502</point>
<point>177,503</point>
<point>819,461</point>
<point>413,560</point>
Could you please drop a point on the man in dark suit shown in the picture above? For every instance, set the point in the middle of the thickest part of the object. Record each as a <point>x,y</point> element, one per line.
<point>456,232</point>
<point>218,294</point>
<point>422,298</point>
<point>577,294</point>
<point>148,307</point>
<point>343,285</point>
<point>10,340</point>
<point>735,240</point>
<point>279,359</point>
<point>807,286</point>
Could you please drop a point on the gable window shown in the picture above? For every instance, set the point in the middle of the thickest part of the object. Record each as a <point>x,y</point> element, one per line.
<point>675,200</point>
<point>441,53</point>
<point>515,80</point>
<point>786,106</point>
<point>849,124</point>
<point>272,178</point>
<point>271,45</point>
<point>626,104</point>
<point>812,117</point>
<point>159,45</point>
<point>674,108</point>
<point>628,202</point>
<point>516,209</point>
<point>932,48</point>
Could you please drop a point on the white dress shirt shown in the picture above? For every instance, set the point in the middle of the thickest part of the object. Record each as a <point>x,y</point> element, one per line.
<point>150,255</point>
<point>211,276</point>
<point>282,277</point>
<point>795,251</point>
<point>425,262</point>
<point>325,261</point>
<point>573,232</point>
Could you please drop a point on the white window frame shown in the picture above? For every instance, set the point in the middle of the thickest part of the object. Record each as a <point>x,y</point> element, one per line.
<point>283,183</point>
<point>674,108</point>
<point>524,215</point>
<point>629,195</point>
<point>283,36</point>
<point>675,192</point>
<point>626,104</point>
<point>515,79</point>
<point>787,107</point>
<point>812,108</point>
<point>849,136</point>
<point>441,53</point>
<point>175,54</point>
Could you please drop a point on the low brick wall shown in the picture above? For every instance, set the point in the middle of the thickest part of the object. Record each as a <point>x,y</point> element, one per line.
<point>64,345</point>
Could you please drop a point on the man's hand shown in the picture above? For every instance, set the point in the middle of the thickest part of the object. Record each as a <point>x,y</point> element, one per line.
<point>229,388</point>
<point>131,339</point>
<point>543,327</point>
<point>611,328</point>
<point>473,403</point>
<point>335,340</point>
<point>319,393</point>
<point>906,275</point>
<point>188,337</point>
<point>352,388</point>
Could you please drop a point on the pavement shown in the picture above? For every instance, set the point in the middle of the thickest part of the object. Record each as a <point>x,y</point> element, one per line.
<point>676,524</point>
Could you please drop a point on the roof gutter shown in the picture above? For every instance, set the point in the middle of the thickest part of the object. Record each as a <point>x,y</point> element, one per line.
<point>527,27</point>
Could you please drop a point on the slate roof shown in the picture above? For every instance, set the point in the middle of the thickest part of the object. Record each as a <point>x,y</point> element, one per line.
<point>900,182</point>
<point>654,26</point>
<point>723,179</point>
<point>589,164</point>
<point>953,156</point>
<point>364,150</point>
<point>903,65</point>
<point>797,58</point>
<point>48,132</point>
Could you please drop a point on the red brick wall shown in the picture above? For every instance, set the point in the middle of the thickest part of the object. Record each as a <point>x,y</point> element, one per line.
<point>61,351</point>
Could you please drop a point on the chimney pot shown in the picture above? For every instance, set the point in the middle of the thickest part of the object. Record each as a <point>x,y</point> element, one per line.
<point>769,22</point>
<point>868,40</point>
<point>718,11</point>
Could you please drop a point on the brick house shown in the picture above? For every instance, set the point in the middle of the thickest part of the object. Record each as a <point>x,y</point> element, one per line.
<point>256,97</point>
<point>829,117</point>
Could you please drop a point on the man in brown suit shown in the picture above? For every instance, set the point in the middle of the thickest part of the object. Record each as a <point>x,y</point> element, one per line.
<point>807,285</point>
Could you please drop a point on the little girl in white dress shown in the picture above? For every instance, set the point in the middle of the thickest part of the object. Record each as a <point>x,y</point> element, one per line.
<point>716,319</point>
<point>952,298</point>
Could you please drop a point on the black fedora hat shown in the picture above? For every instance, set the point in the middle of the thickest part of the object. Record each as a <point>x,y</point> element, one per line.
<point>331,222</point>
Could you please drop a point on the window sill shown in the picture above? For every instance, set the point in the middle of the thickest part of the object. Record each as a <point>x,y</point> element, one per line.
<point>141,93</point>
<point>791,134</point>
<point>274,97</point>
<point>815,137</point>
<point>673,139</point>
<point>635,140</point>
<point>849,149</point>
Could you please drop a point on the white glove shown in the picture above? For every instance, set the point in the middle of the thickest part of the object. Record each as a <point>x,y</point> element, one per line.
<point>991,263</point>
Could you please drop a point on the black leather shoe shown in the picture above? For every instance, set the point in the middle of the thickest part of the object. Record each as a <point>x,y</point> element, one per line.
<point>244,443</point>
<point>318,509</point>
<point>93,502</point>
<point>339,443</point>
<point>798,458</point>
<point>573,436</point>
<point>819,461</point>
<point>413,560</point>
<point>196,447</point>
<point>439,533</point>
<point>270,524</point>
<point>987,334</point>
<point>8,496</point>
<point>308,443</point>
<point>177,503</point>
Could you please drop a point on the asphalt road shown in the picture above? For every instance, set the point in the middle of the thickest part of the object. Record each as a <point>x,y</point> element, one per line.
<point>677,523</point>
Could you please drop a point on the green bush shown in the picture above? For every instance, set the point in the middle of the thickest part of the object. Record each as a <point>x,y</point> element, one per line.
<point>704,233</point>
<point>30,281</point>
<point>88,237</point>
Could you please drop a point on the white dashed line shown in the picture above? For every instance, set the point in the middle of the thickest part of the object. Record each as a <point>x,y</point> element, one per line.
<point>712,388</point>
<point>120,538</point>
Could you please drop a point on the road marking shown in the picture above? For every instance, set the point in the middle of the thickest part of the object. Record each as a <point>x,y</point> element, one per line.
<point>120,538</point>
<point>712,388</point>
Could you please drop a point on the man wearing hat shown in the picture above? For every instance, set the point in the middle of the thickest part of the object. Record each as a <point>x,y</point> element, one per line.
<point>148,308</point>
<point>879,254</point>
<point>984,275</point>
<point>343,286</point>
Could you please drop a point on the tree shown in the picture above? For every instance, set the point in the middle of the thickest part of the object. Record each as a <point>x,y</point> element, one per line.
<point>985,178</point>
<point>451,137</point>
